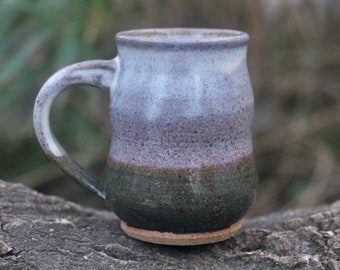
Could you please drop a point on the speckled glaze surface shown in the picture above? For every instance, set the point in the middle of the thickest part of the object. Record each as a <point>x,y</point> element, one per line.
<point>180,163</point>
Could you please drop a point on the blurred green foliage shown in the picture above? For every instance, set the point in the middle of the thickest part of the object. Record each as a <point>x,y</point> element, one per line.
<point>293,62</point>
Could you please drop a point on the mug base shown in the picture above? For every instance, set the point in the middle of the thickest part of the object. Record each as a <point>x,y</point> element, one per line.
<point>174,239</point>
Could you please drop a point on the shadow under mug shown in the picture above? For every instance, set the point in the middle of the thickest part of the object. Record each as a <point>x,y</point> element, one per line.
<point>180,169</point>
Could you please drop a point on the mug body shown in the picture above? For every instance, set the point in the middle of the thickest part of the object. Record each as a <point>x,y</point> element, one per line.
<point>181,159</point>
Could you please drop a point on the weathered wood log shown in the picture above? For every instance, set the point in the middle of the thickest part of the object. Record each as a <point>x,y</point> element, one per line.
<point>47,232</point>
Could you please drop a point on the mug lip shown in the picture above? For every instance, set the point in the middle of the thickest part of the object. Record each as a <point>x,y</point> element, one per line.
<point>182,37</point>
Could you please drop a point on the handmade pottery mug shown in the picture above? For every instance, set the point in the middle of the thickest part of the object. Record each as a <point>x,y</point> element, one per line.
<point>180,169</point>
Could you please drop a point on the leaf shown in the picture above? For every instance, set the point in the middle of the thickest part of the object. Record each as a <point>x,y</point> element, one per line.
<point>20,58</point>
<point>12,39</point>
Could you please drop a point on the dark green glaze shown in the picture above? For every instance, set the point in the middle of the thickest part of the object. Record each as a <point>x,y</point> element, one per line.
<point>181,201</point>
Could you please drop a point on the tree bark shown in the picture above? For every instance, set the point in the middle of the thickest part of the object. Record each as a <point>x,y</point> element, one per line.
<point>47,232</point>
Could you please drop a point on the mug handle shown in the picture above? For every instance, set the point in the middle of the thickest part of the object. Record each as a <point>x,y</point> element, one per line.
<point>99,73</point>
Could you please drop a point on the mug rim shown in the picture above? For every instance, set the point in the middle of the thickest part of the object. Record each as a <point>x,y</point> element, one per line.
<point>187,37</point>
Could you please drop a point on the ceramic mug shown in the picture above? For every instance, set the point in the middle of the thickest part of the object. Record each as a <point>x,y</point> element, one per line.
<point>180,169</point>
